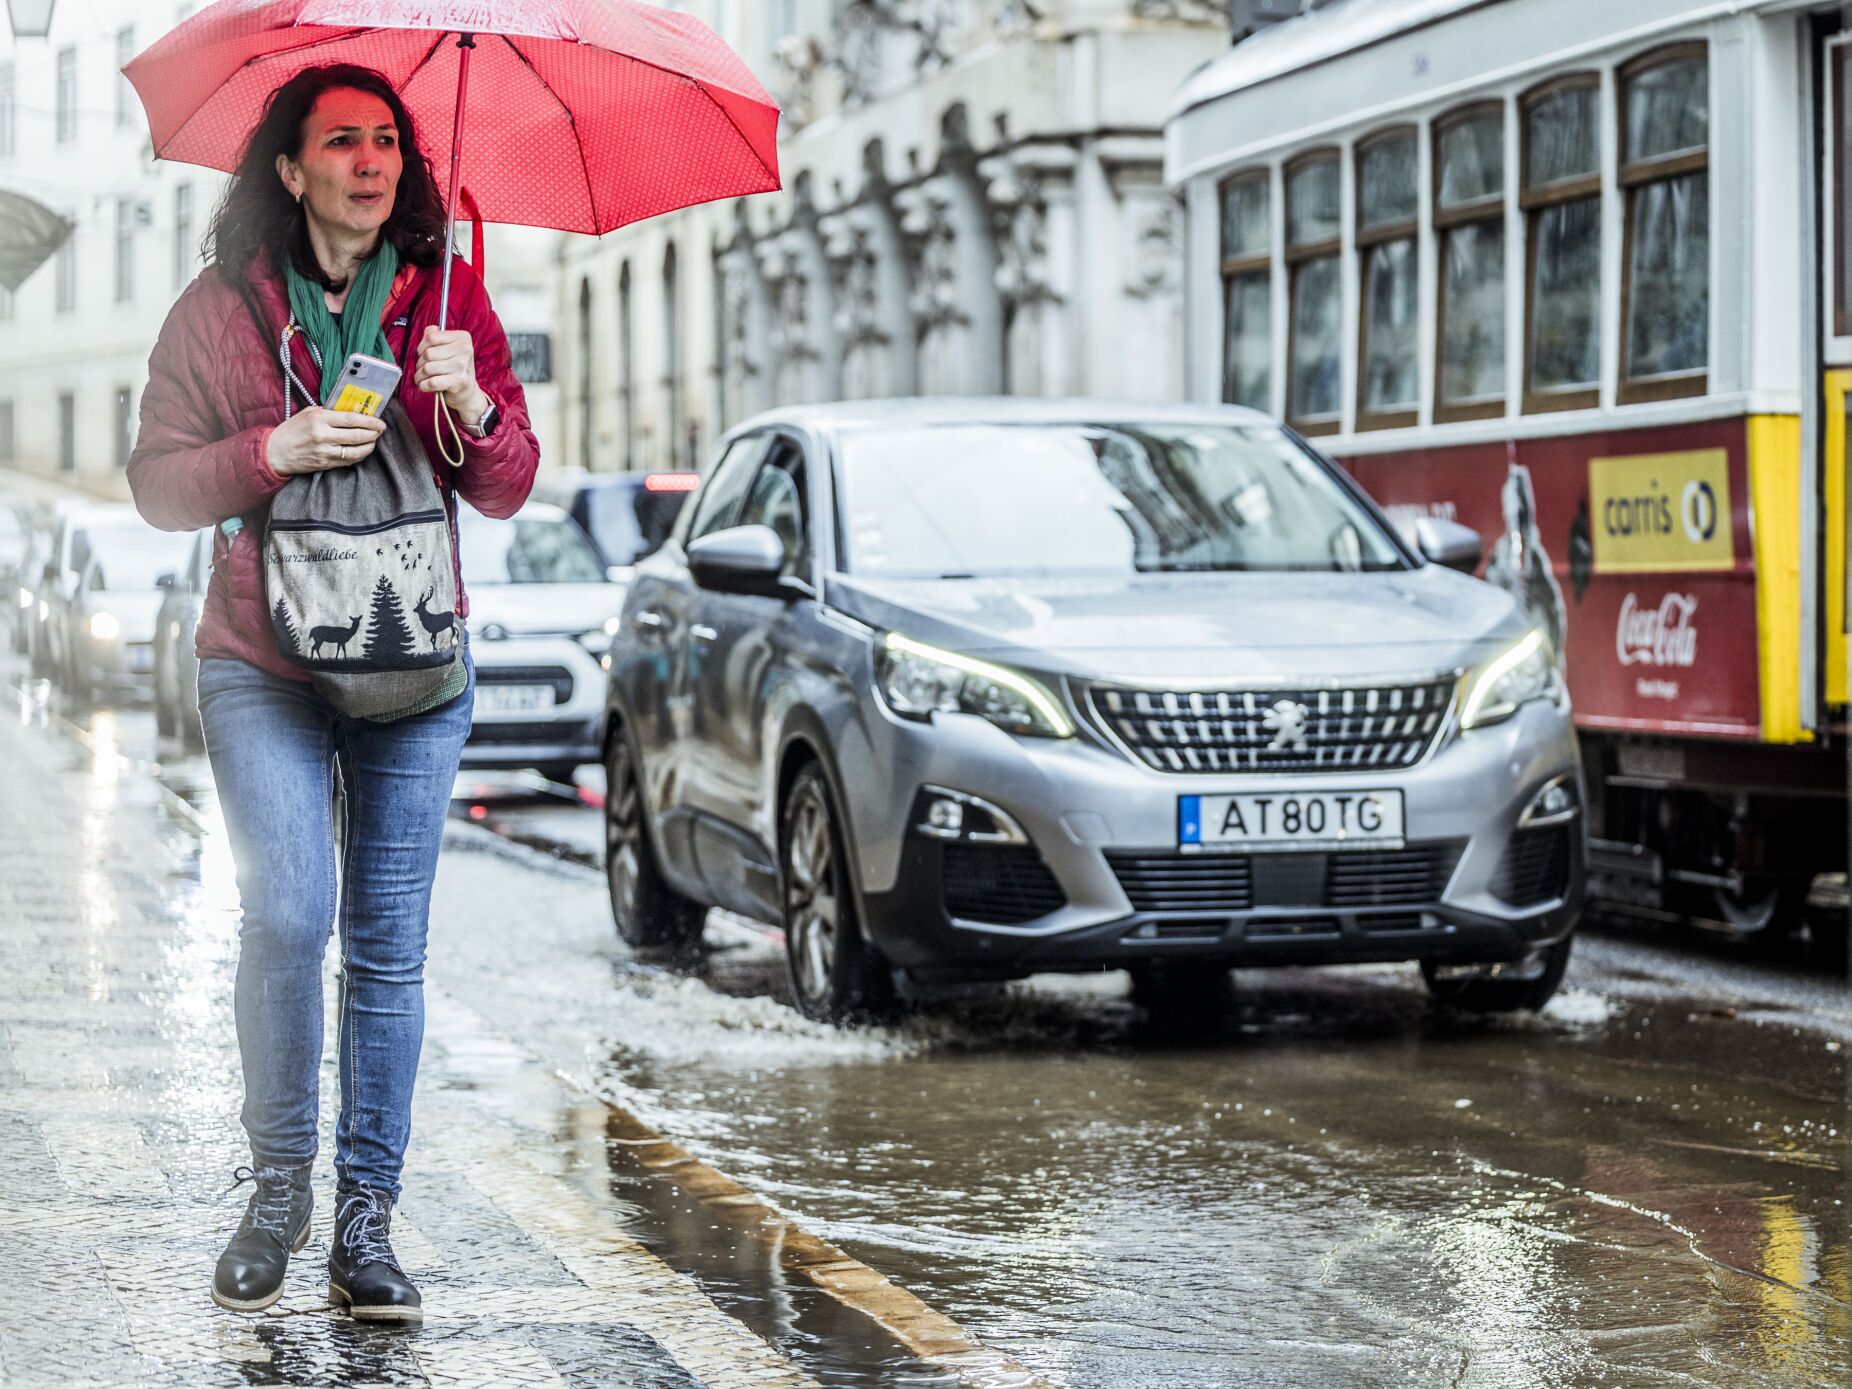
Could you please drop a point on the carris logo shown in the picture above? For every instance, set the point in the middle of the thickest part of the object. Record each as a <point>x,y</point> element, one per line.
<point>1661,636</point>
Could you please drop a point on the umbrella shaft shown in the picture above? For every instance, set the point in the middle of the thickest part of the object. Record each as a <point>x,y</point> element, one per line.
<point>466,42</point>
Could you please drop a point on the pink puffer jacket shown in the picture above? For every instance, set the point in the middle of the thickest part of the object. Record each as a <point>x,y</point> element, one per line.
<point>215,391</point>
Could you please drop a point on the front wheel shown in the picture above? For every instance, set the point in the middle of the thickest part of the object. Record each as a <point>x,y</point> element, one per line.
<point>647,911</point>
<point>835,974</point>
<point>1505,988</point>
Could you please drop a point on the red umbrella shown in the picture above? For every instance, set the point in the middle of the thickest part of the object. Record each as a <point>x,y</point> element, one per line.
<point>583,115</point>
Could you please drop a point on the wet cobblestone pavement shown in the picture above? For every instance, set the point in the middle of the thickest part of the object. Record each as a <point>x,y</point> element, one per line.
<point>118,1099</point>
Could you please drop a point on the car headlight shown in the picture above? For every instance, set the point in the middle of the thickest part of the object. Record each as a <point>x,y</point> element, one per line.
<point>918,681</point>
<point>598,640</point>
<point>104,627</point>
<point>1525,672</point>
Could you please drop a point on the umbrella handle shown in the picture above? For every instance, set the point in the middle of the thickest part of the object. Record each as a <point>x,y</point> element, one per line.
<point>466,42</point>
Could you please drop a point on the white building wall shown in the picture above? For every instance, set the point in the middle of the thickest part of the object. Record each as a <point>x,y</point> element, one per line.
<point>973,202</point>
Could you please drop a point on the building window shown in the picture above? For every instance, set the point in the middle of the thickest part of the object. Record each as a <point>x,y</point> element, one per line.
<point>67,432</point>
<point>64,270</point>
<point>186,248</point>
<point>1666,250</point>
<point>1247,290</point>
<point>7,446</point>
<point>1469,224</point>
<point>125,250</point>
<point>672,350</point>
<point>585,374</point>
<point>67,95</point>
<point>9,109</point>
<point>125,425</point>
<point>1388,380</point>
<point>125,94</point>
<point>1561,198</point>
<point>627,367</point>
<point>1316,317</point>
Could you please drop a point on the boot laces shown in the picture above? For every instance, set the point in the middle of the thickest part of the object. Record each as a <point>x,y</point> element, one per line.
<point>366,1228</point>
<point>273,1200</point>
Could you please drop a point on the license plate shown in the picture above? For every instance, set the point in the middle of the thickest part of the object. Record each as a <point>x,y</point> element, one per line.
<point>1289,820</point>
<point>513,699</point>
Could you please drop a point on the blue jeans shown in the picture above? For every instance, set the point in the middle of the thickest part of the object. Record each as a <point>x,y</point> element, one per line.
<point>274,746</point>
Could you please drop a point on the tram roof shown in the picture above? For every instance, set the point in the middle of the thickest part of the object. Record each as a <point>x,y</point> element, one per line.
<point>1313,37</point>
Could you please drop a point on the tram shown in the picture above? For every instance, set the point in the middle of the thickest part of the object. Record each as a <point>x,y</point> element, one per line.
<point>1577,274</point>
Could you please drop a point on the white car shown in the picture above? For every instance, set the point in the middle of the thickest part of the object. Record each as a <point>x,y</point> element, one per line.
<point>542,610</point>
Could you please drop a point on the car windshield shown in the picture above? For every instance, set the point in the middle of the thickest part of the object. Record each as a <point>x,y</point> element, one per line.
<point>528,550</point>
<point>986,500</point>
<point>135,559</point>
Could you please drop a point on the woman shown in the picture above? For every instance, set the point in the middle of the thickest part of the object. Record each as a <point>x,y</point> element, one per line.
<point>333,215</point>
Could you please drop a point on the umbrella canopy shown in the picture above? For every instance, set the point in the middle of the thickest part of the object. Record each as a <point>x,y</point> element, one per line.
<point>582,115</point>
<point>29,233</point>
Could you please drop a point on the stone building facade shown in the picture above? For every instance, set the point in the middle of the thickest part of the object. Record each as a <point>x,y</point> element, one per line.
<point>973,203</point>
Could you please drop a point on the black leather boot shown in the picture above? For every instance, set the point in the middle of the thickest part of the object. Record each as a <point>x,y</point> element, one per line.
<point>276,1224</point>
<point>363,1273</point>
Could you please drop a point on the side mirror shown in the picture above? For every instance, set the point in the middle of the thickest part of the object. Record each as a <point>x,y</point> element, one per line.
<point>1449,544</point>
<point>166,581</point>
<point>744,559</point>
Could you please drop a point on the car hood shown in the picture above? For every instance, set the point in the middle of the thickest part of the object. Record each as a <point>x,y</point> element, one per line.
<point>1201,626</point>
<point>534,609</point>
<point>134,608</point>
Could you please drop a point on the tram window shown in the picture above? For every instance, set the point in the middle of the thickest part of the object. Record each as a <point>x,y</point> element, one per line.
<point>1561,198</point>
<point>1469,218</point>
<point>1315,333</point>
<point>1387,381</point>
<point>1247,290</point>
<point>1664,174</point>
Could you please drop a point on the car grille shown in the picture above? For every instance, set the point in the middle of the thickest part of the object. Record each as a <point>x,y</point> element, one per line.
<point>536,731</point>
<point>557,676</point>
<point>1005,884</point>
<point>1535,867</point>
<point>1200,883</point>
<point>1282,730</point>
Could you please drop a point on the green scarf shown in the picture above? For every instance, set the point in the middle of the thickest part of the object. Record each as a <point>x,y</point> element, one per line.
<point>359,329</point>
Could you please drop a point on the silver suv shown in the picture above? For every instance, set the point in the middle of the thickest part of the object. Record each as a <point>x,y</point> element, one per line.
<point>977,688</point>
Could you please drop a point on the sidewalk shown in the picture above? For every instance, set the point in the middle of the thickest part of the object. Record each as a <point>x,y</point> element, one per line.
<point>119,1093</point>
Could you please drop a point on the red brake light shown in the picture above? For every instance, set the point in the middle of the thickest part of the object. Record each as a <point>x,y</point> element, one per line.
<point>671,482</point>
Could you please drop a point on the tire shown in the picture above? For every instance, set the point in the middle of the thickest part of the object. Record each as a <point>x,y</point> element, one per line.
<point>1500,992</point>
<point>166,722</point>
<point>834,972</point>
<point>1764,907</point>
<point>647,911</point>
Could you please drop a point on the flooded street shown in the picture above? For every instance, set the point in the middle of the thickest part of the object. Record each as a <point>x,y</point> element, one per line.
<point>1337,1184</point>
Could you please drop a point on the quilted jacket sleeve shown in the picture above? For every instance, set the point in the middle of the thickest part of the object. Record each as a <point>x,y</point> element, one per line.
<point>189,469</point>
<point>497,472</point>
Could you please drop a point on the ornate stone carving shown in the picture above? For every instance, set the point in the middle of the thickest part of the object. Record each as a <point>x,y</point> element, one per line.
<point>798,59</point>
<point>932,257</point>
<point>1021,218</point>
<point>848,245</point>
<point>1156,252</point>
<point>1016,17</point>
<point>1198,11</point>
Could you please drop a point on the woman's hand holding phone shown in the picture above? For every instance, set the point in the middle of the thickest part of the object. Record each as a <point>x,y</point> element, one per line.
<point>315,439</point>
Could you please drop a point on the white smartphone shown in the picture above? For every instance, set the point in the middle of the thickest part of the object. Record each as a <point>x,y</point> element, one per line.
<point>366,385</point>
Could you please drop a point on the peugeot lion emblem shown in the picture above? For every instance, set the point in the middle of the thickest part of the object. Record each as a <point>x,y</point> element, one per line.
<point>1287,719</point>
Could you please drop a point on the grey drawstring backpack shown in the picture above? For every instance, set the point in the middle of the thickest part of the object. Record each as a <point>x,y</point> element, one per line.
<point>360,572</point>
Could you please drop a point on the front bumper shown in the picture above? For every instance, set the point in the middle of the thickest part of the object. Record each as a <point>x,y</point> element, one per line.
<point>567,729</point>
<point>1101,883</point>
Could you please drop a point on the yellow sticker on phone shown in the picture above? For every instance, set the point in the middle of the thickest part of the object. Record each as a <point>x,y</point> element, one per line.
<point>359,400</point>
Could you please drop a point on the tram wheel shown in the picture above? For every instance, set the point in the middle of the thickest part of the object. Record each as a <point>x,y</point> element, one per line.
<point>1763,905</point>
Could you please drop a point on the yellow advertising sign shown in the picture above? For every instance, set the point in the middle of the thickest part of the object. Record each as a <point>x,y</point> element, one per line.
<point>1657,513</point>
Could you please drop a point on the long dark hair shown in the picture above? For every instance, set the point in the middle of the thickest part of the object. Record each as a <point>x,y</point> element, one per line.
<point>257,214</point>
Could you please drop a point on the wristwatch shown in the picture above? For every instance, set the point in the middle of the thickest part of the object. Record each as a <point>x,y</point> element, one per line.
<point>482,426</point>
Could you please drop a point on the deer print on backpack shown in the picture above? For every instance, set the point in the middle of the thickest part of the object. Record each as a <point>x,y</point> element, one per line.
<point>435,623</point>
<point>337,637</point>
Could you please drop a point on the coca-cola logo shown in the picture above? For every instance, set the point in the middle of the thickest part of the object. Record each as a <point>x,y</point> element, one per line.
<point>1661,636</point>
